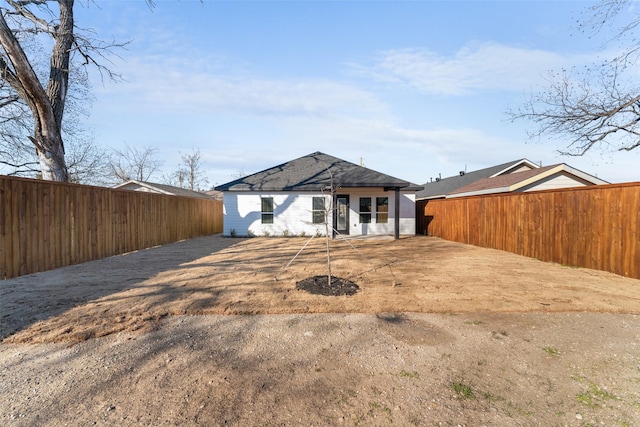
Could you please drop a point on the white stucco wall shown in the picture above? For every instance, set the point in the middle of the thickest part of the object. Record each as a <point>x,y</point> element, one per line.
<point>293,213</point>
<point>407,212</point>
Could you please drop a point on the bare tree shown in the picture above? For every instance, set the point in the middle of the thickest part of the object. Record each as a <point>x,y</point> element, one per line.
<point>86,163</point>
<point>193,166</point>
<point>189,174</point>
<point>597,107</point>
<point>328,213</point>
<point>176,178</point>
<point>329,195</point>
<point>134,164</point>
<point>45,102</point>
<point>17,156</point>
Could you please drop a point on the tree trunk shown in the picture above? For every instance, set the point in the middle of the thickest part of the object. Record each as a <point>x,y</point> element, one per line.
<point>51,158</point>
<point>47,106</point>
<point>326,226</point>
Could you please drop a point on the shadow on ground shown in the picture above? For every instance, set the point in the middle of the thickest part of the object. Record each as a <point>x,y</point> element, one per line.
<point>218,275</point>
<point>29,299</point>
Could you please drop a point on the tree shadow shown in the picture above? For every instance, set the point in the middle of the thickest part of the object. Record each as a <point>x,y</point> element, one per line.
<point>248,221</point>
<point>37,297</point>
<point>230,380</point>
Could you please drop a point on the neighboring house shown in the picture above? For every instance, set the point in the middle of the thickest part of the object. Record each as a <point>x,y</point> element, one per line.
<point>294,197</point>
<point>152,187</point>
<point>441,188</point>
<point>545,178</point>
<point>517,176</point>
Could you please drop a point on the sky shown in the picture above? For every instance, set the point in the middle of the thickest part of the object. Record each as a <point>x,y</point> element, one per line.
<point>413,89</point>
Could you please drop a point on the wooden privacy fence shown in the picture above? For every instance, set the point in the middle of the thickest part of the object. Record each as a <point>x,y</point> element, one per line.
<point>595,227</point>
<point>46,225</point>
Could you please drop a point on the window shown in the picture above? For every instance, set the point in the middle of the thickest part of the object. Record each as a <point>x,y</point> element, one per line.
<point>365,210</point>
<point>382,210</point>
<point>318,210</point>
<point>267,210</point>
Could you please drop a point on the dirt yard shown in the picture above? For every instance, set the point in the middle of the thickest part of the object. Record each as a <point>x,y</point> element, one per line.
<point>213,331</point>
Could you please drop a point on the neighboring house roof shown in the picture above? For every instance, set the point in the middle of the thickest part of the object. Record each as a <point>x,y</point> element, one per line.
<point>522,181</point>
<point>442,187</point>
<point>315,172</point>
<point>152,187</point>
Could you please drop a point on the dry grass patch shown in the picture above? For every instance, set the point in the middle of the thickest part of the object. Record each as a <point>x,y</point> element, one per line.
<point>217,275</point>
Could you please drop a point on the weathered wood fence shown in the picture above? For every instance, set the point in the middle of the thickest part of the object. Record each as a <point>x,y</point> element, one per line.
<point>46,225</point>
<point>595,227</point>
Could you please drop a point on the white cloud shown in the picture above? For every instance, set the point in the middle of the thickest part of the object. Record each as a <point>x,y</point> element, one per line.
<point>408,153</point>
<point>478,67</point>
<point>243,121</point>
<point>161,84</point>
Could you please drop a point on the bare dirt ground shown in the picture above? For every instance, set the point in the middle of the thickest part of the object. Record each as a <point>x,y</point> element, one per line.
<point>212,331</point>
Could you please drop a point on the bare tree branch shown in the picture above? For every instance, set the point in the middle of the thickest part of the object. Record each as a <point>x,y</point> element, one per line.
<point>189,174</point>
<point>47,96</point>
<point>598,108</point>
<point>134,164</point>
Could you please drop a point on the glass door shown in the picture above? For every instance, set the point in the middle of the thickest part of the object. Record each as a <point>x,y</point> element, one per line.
<point>342,214</point>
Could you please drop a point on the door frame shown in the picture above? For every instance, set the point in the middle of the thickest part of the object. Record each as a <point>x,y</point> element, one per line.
<point>344,197</point>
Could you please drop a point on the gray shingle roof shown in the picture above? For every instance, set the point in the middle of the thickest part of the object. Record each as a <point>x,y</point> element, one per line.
<point>311,173</point>
<point>448,185</point>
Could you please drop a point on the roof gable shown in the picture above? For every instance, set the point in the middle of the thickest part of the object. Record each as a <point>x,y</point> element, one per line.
<point>314,172</point>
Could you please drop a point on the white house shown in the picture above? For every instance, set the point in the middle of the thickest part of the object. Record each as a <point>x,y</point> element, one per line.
<point>294,198</point>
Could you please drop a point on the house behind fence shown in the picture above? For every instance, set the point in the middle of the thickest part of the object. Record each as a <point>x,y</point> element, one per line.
<point>46,225</point>
<point>594,227</point>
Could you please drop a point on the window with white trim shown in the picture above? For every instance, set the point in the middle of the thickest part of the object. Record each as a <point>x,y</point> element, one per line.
<point>267,210</point>
<point>365,210</point>
<point>319,210</point>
